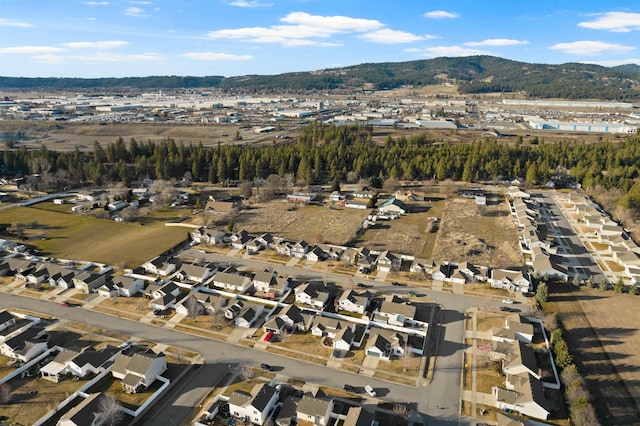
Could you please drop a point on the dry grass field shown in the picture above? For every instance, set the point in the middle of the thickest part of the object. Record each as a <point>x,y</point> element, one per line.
<point>70,236</point>
<point>310,223</point>
<point>602,332</point>
<point>484,237</point>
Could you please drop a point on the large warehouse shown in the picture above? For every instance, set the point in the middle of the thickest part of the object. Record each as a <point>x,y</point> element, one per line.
<point>574,126</point>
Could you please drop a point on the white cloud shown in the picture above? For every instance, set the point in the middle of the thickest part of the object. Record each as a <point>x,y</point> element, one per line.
<point>11,23</point>
<point>135,11</point>
<point>248,3</point>
<point>49,58</point>
<point>587,47</point>
<point>433,52</point>
<point>216,56</point>
<point>389,36</point>
<point>301,30</point>
<point>615,62</point>
<point>621,22</point>
<point>31,49</point>
<point>441,14</point>
<point>141,2</point>
<point>114,57</point>
<point>496,42</point>
<point>105,44</point>
<point>96,3</point>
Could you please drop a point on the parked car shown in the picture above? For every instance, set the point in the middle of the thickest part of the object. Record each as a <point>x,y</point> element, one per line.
<point>65,304</point>
<point>508,309</point>
<point>507,301</point>
<point>266,367</point>
<point>268,336</point>
<point>371,391</point>
<point>361,285</point>
<point>350,388</point>
<point>397,284</point>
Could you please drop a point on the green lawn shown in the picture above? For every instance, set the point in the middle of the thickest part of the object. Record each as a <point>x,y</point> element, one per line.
<point>70,236</point>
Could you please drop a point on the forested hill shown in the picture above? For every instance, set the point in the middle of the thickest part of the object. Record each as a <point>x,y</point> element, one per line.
<point>472,74</point>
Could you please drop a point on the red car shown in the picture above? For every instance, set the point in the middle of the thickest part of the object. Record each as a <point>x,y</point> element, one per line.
<point>268,337</point>
<point>64,303</point>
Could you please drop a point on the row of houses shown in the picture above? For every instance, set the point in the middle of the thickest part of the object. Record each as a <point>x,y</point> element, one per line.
<point>368,260</point>
<point>523,390</point>
<point>536,242</point>
<point>23,339</point>
<point>620,246</point>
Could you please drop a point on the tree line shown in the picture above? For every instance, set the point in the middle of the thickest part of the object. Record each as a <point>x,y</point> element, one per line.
<point>324,153</point>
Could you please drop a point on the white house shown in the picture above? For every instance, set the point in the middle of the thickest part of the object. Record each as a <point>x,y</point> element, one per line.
<point>313,293</point>
<point>232,281</point>
<point>269,283</point>
<point>523,394</point>
<point>352,301</point>
<point>316,411</point>
<point>254,406</point>
<point>138,367</point>
<point>91,361</point>
<point>128,286</point>
<point>395,311</point>
<point>510,280</point>
<point>194,273</point>
<point>26,345</point>
<point>6,320</point>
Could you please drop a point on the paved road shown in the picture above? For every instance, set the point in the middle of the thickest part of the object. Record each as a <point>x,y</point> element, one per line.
<point>439,401</point>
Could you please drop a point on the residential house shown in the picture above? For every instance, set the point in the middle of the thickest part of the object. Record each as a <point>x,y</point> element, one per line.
<point>233,281</point>
<point>255,406</point>
<point>395,311</point>
<point>548,265</point>
<point>270,283</point>
<point>388,262</point>
<point>443,271</point>
<point>165,296</point>
<point>108,290</point>
<point>63,278</point>
<point>313,293</point>
<point>162,265</point>
<point>336,196</point>
<point>472,273</point>
<point>315,411</point>
<point>423,266</point>
<point>56,369</point>
<point>26,345</point>
<point>128,286</point>
<point>242,313</point>
<point>316,254</point>
<point>523,394</point>
<point>300,249</point>
<point>194,273</point>
<point>358,416</point>
<point>392,206</point>
<point>510,280</point>
<point>239,239</point>
<point>301,197</point>
<point>138,367</point>
<point>386,344</point>
<point>221,208</point>
<point>515,328</point>
<point>88,282</point>
<point>7,320</point>
<point>204,235</point>
<point>353,301</point>
<point>329,327</point>
<point>354,203</point>
<point>209,303</point>
<point>220,196</point>
<point>521,359</point>
<point>290,317</point>
<point>343,339</point>
<point>91,361</point>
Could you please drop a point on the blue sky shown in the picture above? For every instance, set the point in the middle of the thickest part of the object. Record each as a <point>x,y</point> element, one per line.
<point>118,38</point>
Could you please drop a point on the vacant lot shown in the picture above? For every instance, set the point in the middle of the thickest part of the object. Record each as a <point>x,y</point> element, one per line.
<point>481,235</point>
<point>310,223</point>
<point>70,236</point>
<point>411,234</point>
<point>602,332</point>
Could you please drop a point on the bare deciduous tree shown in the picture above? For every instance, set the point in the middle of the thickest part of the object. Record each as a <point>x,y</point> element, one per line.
<point>110,413</point>
<point>246,372</point>
<point>402,413</point>
<point>6,392</point>
<point>194,307</point>
<point>131,213</point>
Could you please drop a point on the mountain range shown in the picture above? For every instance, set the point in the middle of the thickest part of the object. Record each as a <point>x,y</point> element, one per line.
<point>472,75</point>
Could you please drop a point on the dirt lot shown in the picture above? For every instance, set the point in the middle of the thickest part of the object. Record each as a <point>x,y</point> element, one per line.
<point>311,223</point>
<point>602,332</point>
<point>483,236</point>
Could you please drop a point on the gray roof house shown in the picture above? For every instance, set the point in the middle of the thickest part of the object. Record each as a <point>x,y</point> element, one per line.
<point>138,367</point>
<point>254,406</point>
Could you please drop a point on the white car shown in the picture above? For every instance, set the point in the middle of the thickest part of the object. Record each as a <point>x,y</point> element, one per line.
<point>508,301</point>
<point>370,390</point>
